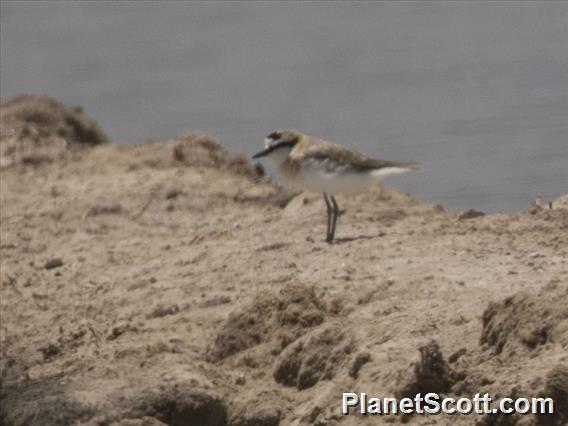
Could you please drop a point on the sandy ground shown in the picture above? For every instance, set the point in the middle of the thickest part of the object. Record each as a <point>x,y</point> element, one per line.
<point>172,283</point>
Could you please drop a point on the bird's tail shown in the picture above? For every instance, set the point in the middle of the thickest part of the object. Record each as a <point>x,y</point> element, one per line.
<point>395,168</point>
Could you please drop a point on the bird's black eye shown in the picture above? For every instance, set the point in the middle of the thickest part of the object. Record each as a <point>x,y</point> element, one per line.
<point>275,136</point>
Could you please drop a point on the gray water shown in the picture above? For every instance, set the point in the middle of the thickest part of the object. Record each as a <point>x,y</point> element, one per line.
<point>477,92</point>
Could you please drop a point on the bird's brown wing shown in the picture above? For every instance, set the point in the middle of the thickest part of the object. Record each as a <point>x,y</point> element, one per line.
<point>338,156</point>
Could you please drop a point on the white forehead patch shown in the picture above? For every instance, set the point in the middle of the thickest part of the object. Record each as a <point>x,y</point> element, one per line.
<point>268,142</point>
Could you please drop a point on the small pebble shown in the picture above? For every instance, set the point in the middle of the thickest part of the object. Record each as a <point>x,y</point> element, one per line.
<point>53,263</point>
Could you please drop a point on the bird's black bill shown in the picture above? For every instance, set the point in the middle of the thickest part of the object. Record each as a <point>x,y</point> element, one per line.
<point>262,153</point>
<point>283,144</point>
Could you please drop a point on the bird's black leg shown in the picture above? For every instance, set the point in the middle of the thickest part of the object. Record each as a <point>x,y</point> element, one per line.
<point>328,204</point>
<point>335,215</point>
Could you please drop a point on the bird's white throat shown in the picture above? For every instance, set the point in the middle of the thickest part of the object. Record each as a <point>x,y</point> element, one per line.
<point>279,155</point>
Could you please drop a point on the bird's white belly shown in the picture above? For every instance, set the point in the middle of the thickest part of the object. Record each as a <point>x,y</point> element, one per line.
<point>333,182</point>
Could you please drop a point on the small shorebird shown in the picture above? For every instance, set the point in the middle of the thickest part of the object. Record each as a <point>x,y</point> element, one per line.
<point>316,165</point>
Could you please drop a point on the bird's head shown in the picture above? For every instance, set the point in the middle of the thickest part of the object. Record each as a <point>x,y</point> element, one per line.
<point>278,145</point>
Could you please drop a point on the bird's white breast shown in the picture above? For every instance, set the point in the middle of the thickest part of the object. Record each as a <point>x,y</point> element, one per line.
<point>326,175</point>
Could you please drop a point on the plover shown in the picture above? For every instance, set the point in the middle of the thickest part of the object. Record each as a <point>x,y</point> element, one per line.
<point>316,165</point>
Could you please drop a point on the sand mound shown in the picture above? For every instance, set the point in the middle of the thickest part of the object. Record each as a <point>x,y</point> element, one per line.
<point>37,401</point>
<point>314,357</point>
<point>55,401</point>
<point>197,149</point>
<point>181,405</point>
<point>556,387</point>
<point>261,410</point>
<point>430,373</point>
<point>210,178</point>
<point>279,319</point>
<point>526,333</point>
<point>525,322</point>
<point>244,329</point>
<point>560,203</point>
<point>39,116</point>
<point>37,128</point>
